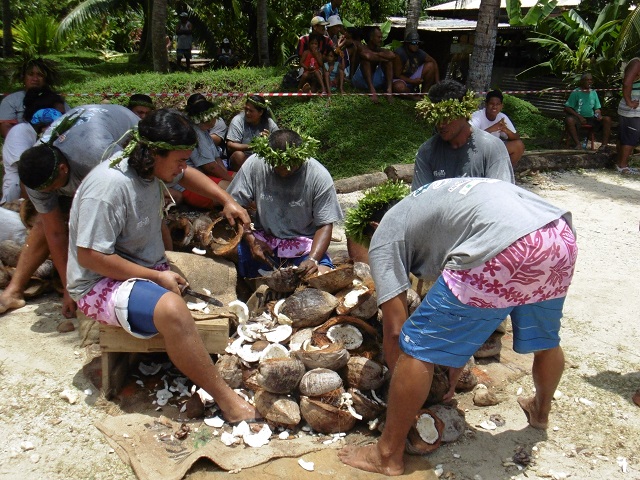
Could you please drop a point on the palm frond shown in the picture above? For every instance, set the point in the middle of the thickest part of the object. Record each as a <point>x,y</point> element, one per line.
<point>85,11</point>
<point>629,38</point>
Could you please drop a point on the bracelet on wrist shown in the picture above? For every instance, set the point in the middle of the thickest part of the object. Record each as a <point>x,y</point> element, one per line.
<point>313,260</point>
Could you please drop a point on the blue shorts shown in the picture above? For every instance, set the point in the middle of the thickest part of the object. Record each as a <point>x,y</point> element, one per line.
<point>143,299</point>
<point>377,78</point>
<point>445,331</point>
<point>248,267</point>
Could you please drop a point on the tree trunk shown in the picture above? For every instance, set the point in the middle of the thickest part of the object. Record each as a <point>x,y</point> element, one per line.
<point>481,62</point>
<point>263,34</point>
<point>7,36</point>
<point>144,54</point>
<point>158,36</point>
<point>414,9</point>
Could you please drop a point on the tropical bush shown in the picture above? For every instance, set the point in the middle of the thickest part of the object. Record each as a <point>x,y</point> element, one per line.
<point>36,36</point>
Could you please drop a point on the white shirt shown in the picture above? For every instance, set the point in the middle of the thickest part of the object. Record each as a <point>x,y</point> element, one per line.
<point>479,120</point>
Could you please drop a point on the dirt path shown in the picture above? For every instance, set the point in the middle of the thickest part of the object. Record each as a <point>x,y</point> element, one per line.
<point>594,426</point>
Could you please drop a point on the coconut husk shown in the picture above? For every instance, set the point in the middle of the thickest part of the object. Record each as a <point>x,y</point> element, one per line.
<point>370,347</point>
<point>46,270</point>
<point>365,406</point>
<point>346,295</point>
<point>36,287</point>
<point>10,253</point>
<point>413,300</point>
<point>334,280</point>
<point>483,397</point>
<point>28,213</point>
<point>224,237</point>
<point>325,418</point>
<point>332,397</point>
<point>181,230</point>
<point>467,380</point>
<point>319,381</point>
<point>230,369</point>
<point>453,419</point>
<point>363,272</point>
<point>284,280</point>
<point>365,374</point>
<point>280,375</point>
<point>439,385</point>
<point>367,309</point>
<point>340,257</point>
<point>5,277</point>
<point>415,444</point>
<point>201,231</point>
<point>278,410</point>
<point>249,379</point>
<point>491,347</point>
<point>309,307</point>
<point>333,356</point>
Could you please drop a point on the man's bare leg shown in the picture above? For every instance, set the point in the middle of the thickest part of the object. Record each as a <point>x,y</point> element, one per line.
<point>606,130</point>
<point>516,150</point>
<point>547,369</point>
<point>34,252</point>
<point>409,389</point>
<point>187,352</point>
<point>388,75</point>
<point>624,151</point>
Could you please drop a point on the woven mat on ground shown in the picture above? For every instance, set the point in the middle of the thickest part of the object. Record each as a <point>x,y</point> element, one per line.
<point>147,444</point>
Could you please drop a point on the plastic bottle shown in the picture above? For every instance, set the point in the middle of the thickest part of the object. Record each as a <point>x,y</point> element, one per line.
<point>584,143</point>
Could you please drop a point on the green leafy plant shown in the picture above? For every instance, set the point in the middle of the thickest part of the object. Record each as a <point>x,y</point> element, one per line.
<point>447,110</point>
<point>36,36</point>
<point>292,157</point>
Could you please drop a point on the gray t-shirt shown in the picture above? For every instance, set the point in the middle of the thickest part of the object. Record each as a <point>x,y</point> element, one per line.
<point>241,132</point>
<point>12,107</point>
<point>290,207</point>
<point>458,224</point>
<point>114,212</point>
<point>219,128</point>
<point>206,152</point>
<point>84,145</point>
<point>482,156</point>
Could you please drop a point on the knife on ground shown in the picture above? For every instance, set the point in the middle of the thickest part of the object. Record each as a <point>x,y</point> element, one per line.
<point>202,296</point>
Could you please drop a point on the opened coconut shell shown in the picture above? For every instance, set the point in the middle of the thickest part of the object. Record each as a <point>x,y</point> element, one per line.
<point>5,278</point>
<point>413,300</point>
<point>333,356</point>
<point>28,213</point>
<point>309,307</point>
<point>334,280</point>
<point>365,406</point>
<point>249,379</point>
<point>453,419</point>
<point>352,297</point>
<point>230,369</point>
<point>280,375</point>
<point>46,270</point>
<point>320,337</point>
<point>278,410</point>
<point>366,309</point>
<point>426,433</point>
<point>340,257</point>
<point>9,253</point>
<point>224,237</point>
<point>36,287</point>
<point>365,374</point>
<point>325,418</point>
<point>491,347</point>
<point>363,272</point>
<point>332,397</point>
<point>201,233</point>
<point>319,381</point>
<point>181,231</point>
<point>284,280</point>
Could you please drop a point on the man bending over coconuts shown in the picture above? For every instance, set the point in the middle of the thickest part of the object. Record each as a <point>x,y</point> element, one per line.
<point>495,250</point>
<point>296,205</point>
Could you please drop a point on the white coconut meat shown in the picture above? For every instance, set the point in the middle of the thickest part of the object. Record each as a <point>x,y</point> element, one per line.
<point>426,427</point>
<point>240,309</point>
<point>346,334</point>
<point>351,299</point>
<point>248,354</point>
<point>275,350</point>
<point>279,334</point>
<point>299,338</point>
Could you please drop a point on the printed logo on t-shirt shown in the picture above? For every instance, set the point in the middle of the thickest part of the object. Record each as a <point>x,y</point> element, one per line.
<point>439,173</point>
<point>143,223</point>
<point>266,197</point>
<point>297,203</point>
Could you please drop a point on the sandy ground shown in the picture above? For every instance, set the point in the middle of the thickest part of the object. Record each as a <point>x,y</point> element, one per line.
<point>594,429</point>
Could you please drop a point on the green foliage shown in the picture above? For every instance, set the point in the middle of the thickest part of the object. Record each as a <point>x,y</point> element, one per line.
<point>536,130</point>
<point>534,16</point>
<point>628,42</point>
<point>36,36</point>
<point>447,110</point>
<point>292,157</point>
<point>375,199</point>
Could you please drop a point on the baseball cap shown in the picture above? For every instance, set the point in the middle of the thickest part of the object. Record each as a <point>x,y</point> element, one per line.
<point>45,116</point>
<point>334,20</point>
<point>413,37</point>
<point>318,21</point>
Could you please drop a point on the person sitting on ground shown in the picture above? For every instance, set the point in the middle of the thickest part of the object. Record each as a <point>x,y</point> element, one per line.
<point>312,73</point>
<point>39,112</point>
<point>334,73</point>
<point>141,104</point>
<point>330,9</point>
<point>583,108</point>
<point>255,120</point>
<point>35,73</point>
<point>184,31</point>
<point>51,173</point>
<point>296,205</point>
<point>457,149</point>
<point>454,231</point>
<point>492,120</point>
<point>414,71</point>
<point>226,57</point>
<point>205,157</point>
<point>629,117</point>
<point>318,27</point>
<point>118,272</point>
<point>375,70</point>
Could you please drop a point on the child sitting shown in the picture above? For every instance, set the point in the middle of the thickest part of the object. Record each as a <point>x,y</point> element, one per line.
<point>311,62</point>
<point>334,73</point>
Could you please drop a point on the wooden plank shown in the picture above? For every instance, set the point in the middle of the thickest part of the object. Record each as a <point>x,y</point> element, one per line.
<point>214,334</point>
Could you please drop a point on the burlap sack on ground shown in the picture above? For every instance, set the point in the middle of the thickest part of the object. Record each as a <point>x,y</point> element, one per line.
<point>148,446</point>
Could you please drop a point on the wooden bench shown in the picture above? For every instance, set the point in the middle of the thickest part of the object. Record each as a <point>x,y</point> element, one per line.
<point>119,349</point>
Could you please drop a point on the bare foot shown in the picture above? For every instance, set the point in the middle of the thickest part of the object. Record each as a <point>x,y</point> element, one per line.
<point>9,302</point>
<point>241,411</point>
<point>535,419</point>
<point>390,98</point>
<point>636,397</point>
<point>374,97</point>
<point>368,458</point>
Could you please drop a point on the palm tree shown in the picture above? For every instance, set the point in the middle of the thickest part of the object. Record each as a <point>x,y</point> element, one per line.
<point>7,36</point>
<point>414,8</point>
<point>263,34</point>
<point>484,46</point>
<point>158,36</point>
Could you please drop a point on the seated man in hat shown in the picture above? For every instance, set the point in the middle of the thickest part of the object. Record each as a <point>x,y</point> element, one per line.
<point>319,27</point>
<point>414,71</point>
